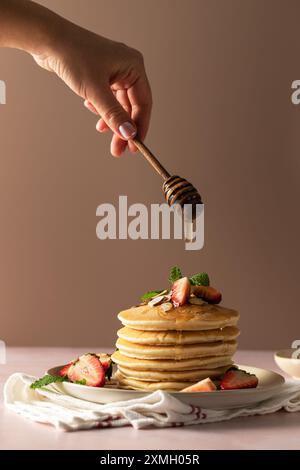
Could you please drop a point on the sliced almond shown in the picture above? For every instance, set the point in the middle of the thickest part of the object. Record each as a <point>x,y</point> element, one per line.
<point>156,300</point>
<point>166,306</point>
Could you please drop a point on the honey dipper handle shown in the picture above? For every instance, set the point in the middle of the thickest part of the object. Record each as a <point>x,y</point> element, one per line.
<point>151,158</point>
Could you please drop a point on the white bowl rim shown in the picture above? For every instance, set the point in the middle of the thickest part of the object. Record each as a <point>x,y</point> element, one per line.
<point>282,354</point>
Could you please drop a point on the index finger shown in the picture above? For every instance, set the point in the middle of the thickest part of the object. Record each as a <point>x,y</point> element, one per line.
<point>140,98</point>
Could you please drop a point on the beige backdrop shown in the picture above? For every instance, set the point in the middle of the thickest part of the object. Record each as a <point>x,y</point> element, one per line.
<point>221,73</point>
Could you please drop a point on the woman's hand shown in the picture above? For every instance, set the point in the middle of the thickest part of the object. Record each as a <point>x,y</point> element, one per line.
<point>108,75</point>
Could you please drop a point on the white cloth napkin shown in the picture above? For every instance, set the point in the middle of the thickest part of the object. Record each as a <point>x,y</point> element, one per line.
<point>159,409</point>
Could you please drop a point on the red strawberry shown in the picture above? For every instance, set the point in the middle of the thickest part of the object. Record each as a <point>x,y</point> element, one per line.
<point>89,369</point>
<point>181,290</point>
<point>107,364</point>
<point>236,378</point>
<point>207,293</point>
<point>105,360</point>
<point>65,369</point>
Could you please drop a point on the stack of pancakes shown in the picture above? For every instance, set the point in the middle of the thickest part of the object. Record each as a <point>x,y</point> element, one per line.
<point>170,350</point>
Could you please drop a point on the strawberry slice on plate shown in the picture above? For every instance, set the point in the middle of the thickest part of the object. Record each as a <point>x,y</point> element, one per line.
<point>205,385</point>
<point>88,370</point>
<point>106,362</point>
<point>235,379</point>
<point>65,369</point>
<point>181,290</point>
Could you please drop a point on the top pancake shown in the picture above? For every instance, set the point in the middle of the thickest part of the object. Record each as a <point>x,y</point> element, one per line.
<point>186,318</point>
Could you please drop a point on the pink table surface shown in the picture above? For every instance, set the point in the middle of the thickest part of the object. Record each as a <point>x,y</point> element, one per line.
<point>276,431</point>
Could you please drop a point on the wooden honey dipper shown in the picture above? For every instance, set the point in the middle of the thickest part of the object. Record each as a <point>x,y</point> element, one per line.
<point>177,190</point>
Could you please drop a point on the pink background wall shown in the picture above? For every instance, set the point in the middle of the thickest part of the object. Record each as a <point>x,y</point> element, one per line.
<point>221,73</point>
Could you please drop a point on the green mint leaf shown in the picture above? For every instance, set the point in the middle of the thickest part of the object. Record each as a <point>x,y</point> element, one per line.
<point>175,274</point>
<point>80,382</point>
<point>200,279</point>
<point>150,294</point>
<point>47,380</point>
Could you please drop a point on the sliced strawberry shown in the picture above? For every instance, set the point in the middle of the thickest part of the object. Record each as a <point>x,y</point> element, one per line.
<point>65,369</point>
<point>236,378</point>
<point>89,370</point>
<point>107,364</point>
<point>105,360</point>
<point>205,385</point>
<point>207,293</point>
<point>181,290</point>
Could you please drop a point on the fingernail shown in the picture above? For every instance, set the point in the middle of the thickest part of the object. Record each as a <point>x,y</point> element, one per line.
<point>127,130</point>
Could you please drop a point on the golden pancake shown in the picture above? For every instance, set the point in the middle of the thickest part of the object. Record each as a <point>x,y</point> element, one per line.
<point>168,364</point>
<point>228,333</point>
<point>134,384</point>
<point>187,351</point>
<point>172,376</point>
<point>185,318</point>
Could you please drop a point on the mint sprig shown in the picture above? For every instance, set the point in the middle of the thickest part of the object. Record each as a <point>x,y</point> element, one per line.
<point>175,274</point>
<point>47,380</point>
<point>200,279</point>
<point>150,294</point>
<point>80,382</point>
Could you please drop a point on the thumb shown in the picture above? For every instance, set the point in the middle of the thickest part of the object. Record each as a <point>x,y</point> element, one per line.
<point>114,114</point>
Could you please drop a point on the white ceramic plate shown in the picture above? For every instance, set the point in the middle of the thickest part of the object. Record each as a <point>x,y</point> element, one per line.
<point>269,384</point>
